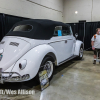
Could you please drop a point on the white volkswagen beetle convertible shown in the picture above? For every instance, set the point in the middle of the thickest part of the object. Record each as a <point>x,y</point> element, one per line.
<point>35,45</point>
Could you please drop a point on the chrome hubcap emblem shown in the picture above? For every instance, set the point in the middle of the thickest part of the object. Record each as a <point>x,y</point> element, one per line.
<point>49,68</point>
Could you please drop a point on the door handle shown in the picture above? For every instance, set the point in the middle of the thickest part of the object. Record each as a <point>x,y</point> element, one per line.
<point>74,41</point>
<point>65,41</point>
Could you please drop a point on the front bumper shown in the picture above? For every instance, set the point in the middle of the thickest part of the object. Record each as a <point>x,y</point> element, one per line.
<point>12,77</point>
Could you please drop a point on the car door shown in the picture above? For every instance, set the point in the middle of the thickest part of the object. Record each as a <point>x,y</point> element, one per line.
<point>62,43</point>
<point>57,42</point>
<point>69,42</point>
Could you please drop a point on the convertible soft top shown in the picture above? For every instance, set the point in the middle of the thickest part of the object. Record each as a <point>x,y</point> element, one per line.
<point>42,29</point>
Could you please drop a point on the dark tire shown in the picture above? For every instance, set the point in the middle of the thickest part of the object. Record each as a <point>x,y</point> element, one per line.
<point>80,53</point>
<point>50,61</point>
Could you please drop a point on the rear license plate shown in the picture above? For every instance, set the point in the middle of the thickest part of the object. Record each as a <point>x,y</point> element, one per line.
<point>1,57</point>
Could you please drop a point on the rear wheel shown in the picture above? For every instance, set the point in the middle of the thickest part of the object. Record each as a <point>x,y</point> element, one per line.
<point>48,65</point>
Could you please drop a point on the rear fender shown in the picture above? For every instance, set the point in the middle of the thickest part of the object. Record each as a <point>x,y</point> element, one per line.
<point>34,58</point>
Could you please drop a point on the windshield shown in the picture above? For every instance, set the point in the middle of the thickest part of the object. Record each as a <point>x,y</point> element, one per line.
<point>23,28</point>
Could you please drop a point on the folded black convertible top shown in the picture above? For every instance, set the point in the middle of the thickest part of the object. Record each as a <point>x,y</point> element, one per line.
<point>42,29</point>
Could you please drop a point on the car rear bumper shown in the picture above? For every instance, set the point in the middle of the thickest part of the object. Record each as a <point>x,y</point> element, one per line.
<point>13,77</point>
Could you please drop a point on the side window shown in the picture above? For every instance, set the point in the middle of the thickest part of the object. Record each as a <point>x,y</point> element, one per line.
<point>23,28</point>
<point>58,31</point>
<point>66,31</point>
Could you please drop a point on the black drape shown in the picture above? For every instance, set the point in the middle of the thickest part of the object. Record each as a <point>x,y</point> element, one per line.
<point>2,30</point>
<point>90,30</point>
<point>6,23</point>
<point>78,28</point>
<point>10,21</point>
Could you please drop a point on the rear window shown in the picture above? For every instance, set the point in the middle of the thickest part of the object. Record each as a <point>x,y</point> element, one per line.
<point>23,28</point>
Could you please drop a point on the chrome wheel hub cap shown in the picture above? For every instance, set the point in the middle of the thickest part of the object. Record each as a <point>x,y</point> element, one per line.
<point>49,68</point>
<point>81,52</point>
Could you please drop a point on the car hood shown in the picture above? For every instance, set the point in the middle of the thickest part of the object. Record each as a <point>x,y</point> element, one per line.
<point>13,49</point>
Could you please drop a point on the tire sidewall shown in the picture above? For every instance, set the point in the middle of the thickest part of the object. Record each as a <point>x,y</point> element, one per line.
<point>43,63</point>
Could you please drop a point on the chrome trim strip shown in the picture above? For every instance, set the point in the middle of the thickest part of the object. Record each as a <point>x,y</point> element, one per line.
<point>67,60</point>
<point>2,78</point>
<point>10,73</point>
<point>59,41</point>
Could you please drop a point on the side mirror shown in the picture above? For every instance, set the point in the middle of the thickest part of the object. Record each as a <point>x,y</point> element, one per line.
<point>76,35</point>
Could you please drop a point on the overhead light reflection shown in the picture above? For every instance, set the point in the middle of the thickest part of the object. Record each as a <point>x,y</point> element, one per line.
<point>76,12</point>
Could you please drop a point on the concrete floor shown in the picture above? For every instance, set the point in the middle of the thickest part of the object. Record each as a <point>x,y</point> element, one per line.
<point>74,80</point>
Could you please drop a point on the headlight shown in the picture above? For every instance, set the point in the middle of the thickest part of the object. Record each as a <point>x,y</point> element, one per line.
<point>23,64</point>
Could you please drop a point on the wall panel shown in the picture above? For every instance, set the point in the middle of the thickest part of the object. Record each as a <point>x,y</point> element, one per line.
<point>35,9</point>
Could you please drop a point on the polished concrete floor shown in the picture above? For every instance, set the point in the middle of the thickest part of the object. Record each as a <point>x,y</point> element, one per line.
<point>74,80</point>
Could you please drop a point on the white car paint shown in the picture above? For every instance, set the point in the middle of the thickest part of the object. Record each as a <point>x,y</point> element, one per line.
<point>35,57</point>
<point>12,53</point>
<point>63,46</point>
<point>77,47</point>
<point>33,51</point>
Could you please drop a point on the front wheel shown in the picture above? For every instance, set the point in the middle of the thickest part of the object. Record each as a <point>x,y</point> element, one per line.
<point>48,65</point>
<point>80,53</point>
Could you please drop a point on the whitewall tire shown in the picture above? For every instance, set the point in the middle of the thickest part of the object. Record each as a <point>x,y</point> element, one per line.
<point>48,65</point>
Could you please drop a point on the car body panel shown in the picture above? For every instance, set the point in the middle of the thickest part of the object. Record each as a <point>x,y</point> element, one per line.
<point>77,47</point>
<point>63,46</point>
<point>12,52</point>
<point>17,48</point>
<point>34,58</point>
<point>35,52</point>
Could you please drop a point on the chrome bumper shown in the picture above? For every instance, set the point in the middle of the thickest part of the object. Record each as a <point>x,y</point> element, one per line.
<point>8,77</point>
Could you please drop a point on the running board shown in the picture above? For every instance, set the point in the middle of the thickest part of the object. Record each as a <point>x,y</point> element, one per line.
<point>67,60</point>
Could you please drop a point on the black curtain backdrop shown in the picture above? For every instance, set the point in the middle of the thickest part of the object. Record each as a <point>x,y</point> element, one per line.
<point>90,30</point>
<point>78,28</point>
<point>10,21</point>
<point>2,30</point>
<point>7,21</point>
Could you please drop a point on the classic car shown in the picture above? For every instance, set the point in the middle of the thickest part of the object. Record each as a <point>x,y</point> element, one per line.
<point>35,45</point>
